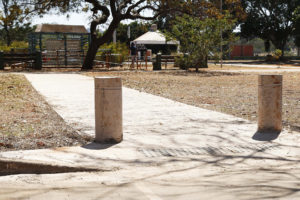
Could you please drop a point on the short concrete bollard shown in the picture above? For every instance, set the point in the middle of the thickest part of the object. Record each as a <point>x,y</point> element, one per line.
<point>269,103</point>
<point>108,109</point>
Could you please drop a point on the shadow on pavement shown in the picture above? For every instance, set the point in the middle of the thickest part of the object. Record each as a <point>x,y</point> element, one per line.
<point>97,146</point>
<point>265,136</point>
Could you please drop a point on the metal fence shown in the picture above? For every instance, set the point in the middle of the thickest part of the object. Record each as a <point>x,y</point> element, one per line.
<point>62,58</point>
<point>63,50</point>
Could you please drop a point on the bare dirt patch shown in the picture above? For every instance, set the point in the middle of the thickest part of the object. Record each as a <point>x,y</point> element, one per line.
<point>27,121</point>
<point>230,93</point>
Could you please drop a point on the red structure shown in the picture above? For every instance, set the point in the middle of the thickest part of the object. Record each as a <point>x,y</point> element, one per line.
<point>241,50</point>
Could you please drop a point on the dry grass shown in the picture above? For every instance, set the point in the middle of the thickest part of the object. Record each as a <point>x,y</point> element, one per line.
<point>234,94</point>
<point>27,121</point>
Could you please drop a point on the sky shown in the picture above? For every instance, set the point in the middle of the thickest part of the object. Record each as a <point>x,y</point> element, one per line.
<point>74,19</point>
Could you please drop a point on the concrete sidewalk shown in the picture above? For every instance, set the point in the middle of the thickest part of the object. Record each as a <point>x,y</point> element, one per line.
<point>170,151</point>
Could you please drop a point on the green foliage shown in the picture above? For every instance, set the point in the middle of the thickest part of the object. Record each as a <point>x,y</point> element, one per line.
<point>14,45</point>
<point>277,54</point>
<point>270,20</point>
<point>296,20</point>
<point>119,50</point>
<point>19,33</point>
<point>201,38</point>
<point>136,30</point>
<point>183,61</point>
<point>13,17</point>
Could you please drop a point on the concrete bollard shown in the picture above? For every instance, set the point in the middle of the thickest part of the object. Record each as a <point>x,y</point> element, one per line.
<point>269,103</point>
<point>157,65</point>
<point>108,110</point>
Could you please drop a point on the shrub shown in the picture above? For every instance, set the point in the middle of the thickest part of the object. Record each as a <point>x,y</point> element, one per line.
<point>118,48</point>
<point>187,61</point>
<point>200,38</point>
<point>276,56</point>
<point>14,45</point>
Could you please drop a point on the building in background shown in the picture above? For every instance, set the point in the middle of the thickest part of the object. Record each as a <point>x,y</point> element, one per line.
<point>157,42</point>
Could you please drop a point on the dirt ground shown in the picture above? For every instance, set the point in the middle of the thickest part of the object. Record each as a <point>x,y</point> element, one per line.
<point>230,93</point>
<point>27,121</point>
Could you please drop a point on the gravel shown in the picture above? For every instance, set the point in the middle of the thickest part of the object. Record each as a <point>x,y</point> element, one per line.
<point>230,93</point>
<point>28,122</point>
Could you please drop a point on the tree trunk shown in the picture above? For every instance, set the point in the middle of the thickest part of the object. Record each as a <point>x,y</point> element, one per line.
<point>97,42</point>
<point>206,62</point>
<point>8,38</point>
<point>90,56</point>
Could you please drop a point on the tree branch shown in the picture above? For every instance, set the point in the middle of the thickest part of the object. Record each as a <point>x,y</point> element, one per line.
<point>99,20</point>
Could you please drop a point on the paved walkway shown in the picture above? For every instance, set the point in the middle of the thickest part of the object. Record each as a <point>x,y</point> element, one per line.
<point>170,151</point>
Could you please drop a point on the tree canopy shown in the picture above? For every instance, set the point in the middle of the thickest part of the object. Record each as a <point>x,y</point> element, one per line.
<point>15,15</point>
<point>111,13</point>
<point>200,38</point>
<point>11,17</point>
<point>136,30</point>
<point>270,20</point>
<point>296,32</point>
<point>108,14</point>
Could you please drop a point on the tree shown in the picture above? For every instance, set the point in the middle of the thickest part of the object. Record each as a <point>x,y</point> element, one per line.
<point>270,20</point>
<point>105,13</point>
<point>296,32</point>
<point>200,38</point>
<point>19,33</point>
<point>112,12</point>
<point>10,18</point>
<point>15,14</point>
<point>136,30</point>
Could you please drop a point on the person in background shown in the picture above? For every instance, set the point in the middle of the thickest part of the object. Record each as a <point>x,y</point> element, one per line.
<point>133,53</point>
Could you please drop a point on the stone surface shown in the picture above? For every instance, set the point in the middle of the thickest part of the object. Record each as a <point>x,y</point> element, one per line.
<point>170,151</point>
<point>269,103</point>
<point>108,110</point>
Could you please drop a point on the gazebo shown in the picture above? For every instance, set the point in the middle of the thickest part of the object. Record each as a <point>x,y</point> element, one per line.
<point>156,41</point>
<point>60,44</point>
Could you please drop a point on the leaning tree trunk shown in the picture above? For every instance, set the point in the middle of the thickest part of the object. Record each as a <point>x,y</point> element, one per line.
<point>96,43</point>
<point>90,56</point>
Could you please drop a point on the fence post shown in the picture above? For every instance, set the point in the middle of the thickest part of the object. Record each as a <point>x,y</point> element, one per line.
<point>66,50</point>
<point>38,61</point>
<point>107,60</point>
<point>1,60</point>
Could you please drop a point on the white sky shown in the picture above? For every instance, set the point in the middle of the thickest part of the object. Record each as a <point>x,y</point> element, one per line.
<point>74,19</point>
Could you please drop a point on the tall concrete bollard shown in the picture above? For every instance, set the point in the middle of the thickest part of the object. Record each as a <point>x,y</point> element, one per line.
<point>108,109</point>
<point>269,103</point>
